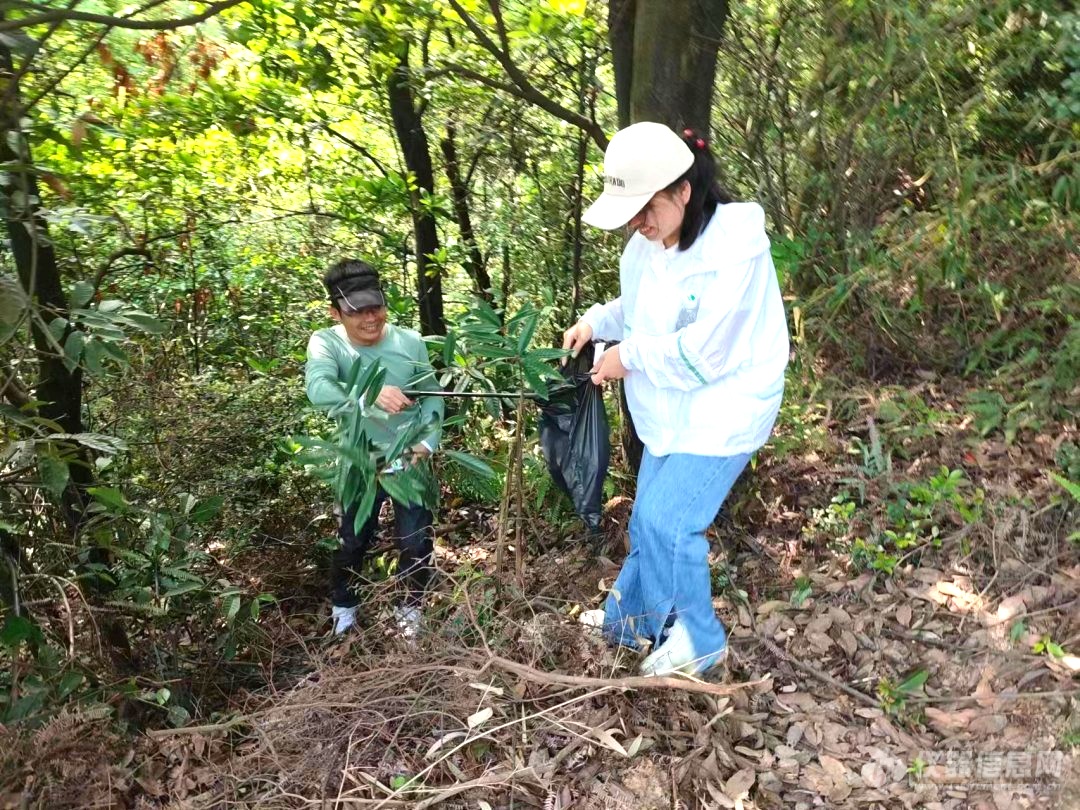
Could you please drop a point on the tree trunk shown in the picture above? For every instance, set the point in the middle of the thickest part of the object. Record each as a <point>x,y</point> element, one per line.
<point>621,36</point>
<point>474,264</point>
<point>674,61</point>
<point>58,389</point>
<point>409,128</point>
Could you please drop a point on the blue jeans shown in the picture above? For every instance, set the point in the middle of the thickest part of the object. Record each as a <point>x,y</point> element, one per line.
<point>666,575</point>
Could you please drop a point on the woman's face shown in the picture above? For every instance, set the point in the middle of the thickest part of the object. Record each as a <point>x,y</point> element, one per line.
<point>662,216</point>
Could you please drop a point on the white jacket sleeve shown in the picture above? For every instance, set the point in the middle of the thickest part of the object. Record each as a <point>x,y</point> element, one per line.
<point>606,320</point>
<point>704,351</point>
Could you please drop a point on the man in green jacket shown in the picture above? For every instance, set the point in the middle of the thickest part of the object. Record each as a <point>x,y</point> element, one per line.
<point>358,305</point>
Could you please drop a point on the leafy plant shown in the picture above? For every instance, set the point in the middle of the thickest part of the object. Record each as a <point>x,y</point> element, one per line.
<point>894,697</point>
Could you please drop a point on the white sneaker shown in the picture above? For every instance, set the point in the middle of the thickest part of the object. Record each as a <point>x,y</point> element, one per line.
<point>677,655</point>
<point>592,618</point>
<point>344,618</point>
<point>408,621</point>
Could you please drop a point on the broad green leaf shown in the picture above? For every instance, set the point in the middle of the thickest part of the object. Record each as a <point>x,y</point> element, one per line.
<point>18,629</point>
<point>141,320</point>
<point>69,683</point>
<point>73,348</point>
<point>449,344</point>
<point>54,473</point>
<point>914,683</point>
<point>81,293</point>
<point>527,331</point>
<point>470,462</point>
<point>232,606</point>
<point>374,386</point>
<point>109,497</point>
<point>206,509</point>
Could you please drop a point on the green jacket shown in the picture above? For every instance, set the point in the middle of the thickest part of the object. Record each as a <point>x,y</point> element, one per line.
<point>330,356</point>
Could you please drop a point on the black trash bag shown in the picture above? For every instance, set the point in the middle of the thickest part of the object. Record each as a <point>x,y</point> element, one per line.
<point>574,438</point>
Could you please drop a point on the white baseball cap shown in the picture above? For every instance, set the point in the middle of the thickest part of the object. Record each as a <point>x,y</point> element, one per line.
<point>640,161</point>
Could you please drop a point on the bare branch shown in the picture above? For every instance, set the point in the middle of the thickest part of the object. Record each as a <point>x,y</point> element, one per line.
<point>66,15</point>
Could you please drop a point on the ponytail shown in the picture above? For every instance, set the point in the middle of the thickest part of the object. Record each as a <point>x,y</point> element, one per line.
<point>705,192</point>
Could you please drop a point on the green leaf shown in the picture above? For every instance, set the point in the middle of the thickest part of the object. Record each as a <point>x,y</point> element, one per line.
<point>470,462</point>
<point>1017,631</point>
<point>914,683</point>
<point>73,348</point>
<point>374,386</point>
<point>93,356</point>
<point>1071,487</point>
<point>54,473</point>
<point>527,332</point>
<point>143,321</point>
<point>548,354</point>
<point>81,294</point>
<point>186,587</point>
<point>18,629</point>
<point>69,683</point>
<point>109,497</point>
<point>449,344</point>
<point>206,509</point>
<point>57,327</point>
<point>403,487</point>
<point>232,606</point>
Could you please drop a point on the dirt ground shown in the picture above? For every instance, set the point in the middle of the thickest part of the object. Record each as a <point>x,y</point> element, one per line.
<point>932,686</point>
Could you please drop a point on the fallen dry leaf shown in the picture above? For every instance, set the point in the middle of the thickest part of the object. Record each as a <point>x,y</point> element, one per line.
<point>873,775</point>
<point>738,786</point>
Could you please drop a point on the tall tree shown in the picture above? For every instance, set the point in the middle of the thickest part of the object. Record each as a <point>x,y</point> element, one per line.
<point>58,390</point>
<point>664,57</point>
<point>474,262</point>
<point>408,121</point>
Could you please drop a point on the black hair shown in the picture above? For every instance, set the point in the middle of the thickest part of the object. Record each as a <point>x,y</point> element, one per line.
<point>705,191</point>
<point>346,270</point>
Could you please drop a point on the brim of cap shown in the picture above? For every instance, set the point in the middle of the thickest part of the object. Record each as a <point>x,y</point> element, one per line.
<point>362,299</point>
<point>611,211</point>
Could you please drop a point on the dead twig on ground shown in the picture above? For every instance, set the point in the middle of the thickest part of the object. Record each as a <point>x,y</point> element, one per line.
<point>686,683</point>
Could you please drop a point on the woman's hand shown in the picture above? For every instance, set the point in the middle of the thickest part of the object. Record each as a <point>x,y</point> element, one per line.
<point>609,367</point>
<point>575,338</point>
<point>391,399</point>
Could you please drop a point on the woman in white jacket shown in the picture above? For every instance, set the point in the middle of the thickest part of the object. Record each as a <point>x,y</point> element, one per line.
<point>703,345</point>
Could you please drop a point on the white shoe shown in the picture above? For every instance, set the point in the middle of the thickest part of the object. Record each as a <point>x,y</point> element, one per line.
<point>344,618</point>
<point>592,618</point>
<point>677,655</point>
<point>408,621</point>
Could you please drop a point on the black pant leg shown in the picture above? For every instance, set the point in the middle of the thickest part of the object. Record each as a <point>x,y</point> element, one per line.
<point>354,546</point>
<point>416,545</point>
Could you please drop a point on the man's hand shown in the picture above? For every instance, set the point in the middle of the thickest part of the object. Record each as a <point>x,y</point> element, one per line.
<point>575,338</point>
<point>609,367</point>
<point>391,399</point>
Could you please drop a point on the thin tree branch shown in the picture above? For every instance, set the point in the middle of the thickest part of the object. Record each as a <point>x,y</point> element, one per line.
<point>114,258</point>
<point>64,15</point>
<point>524,88</point>
<point>363,150</point>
